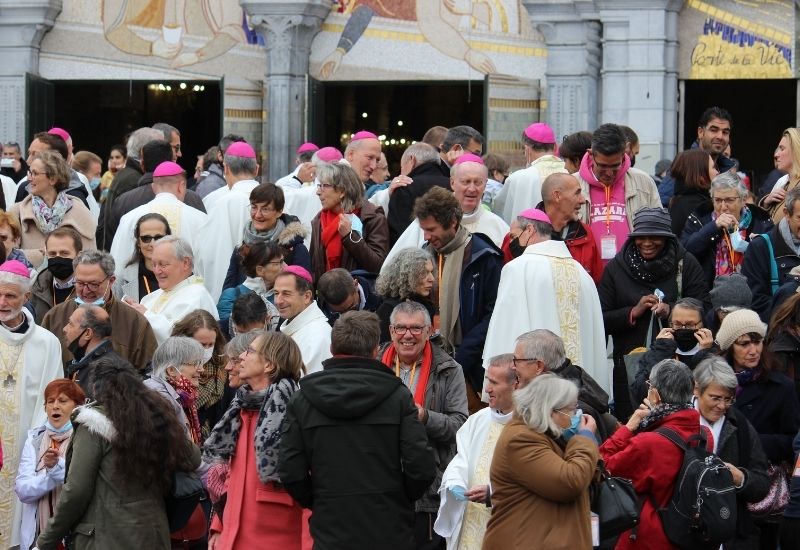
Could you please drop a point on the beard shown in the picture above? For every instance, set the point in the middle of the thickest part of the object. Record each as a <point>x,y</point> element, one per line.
<point>5,317</point>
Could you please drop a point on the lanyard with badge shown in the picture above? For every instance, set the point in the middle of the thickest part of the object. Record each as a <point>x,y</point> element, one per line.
<point>608,242</point>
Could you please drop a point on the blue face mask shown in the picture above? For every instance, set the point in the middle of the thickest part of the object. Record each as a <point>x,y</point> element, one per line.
<point>94,183</point>
<point>575,421</point>
<point>458,492</point>
<point>738,243</point>
<point>65,428</point>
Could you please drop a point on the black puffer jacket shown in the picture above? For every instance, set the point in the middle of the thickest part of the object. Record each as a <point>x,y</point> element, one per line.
<point>354,425</point>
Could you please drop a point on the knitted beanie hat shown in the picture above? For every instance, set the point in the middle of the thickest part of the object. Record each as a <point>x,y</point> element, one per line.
<point>738,323</point>
<point>731,290</point>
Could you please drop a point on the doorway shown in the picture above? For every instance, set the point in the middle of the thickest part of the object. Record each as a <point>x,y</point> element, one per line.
<point>401,112</point>
<point>100,114</point>
<point>761,111</point>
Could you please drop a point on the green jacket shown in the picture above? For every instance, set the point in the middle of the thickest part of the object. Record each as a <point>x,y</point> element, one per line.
<point>94,508</point>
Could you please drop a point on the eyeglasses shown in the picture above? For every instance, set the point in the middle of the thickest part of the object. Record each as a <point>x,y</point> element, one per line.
<point>94,287</point>
<point>572,410</point>
<point>753,340</point>
<point>194,365</point>
<point>264,211</point>
<point>719,400</point>
<point>321,185</point>
<point>400,330</point>
<point>611,167</point>
<point>33,173</point>
<point>692,326</point>
<point>148,238</point>
<point>730,201</point>
<point>524,360</point>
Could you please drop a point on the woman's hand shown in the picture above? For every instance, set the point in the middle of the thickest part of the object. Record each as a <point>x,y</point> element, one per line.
<point>738,475</point>
<point>637,417</point>
<point>665,333</point>
<point>50,458</point>
<point>588,423</point>
<point>776,196</point>
<point>345,226</point>
<point>213,541</point>
<point>726,222</point>
<point>646,303</point>
<point>704,337</point>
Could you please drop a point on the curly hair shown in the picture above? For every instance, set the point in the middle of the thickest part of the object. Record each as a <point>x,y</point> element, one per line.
<point>403,275</point>
<point>139,415</point>
<point>194,321</point>
<point>440,204</point>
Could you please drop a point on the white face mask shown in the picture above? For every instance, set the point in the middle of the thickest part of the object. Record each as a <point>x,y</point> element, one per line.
<point>208,353</point>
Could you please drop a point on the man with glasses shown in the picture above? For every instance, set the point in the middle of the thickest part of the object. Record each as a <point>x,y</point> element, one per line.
<point>133,338</point>
<point>614,191</point>
<point>437,383</point>
<point>169,186</point>
<point>685,339</point>
<point>172,136</point>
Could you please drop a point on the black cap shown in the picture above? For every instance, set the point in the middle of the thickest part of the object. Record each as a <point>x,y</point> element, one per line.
<point>652,222</point>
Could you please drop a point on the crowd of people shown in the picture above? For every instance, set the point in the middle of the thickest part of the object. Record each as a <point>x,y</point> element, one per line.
<point>454,356</point>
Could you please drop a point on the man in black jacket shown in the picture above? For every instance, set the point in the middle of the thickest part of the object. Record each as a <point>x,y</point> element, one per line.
<point>339,290</point>
<point>353,449</point>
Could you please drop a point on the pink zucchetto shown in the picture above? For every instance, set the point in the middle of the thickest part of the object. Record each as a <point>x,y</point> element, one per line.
<point>536,215</point>
<point>541,132</point>
<point>329,154</point>
<point>298,270</point>
<point>60,132</point>
<point>167,168</point>
<point>241,149</point>
<point>15,267</point>
<point>363,134</point>
<point>306,147</point>
<point>469,157</point>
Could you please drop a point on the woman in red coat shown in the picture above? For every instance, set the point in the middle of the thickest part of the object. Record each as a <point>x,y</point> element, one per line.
<point>649,459</point>
<point>258,512</point>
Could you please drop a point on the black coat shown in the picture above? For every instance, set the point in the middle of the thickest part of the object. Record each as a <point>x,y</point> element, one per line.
<point>366,281</point>
<point>701,236</point>
<point>770,404</point>
<point>401,207</point>
<point>124,180</point>
<point>82,371</point>
<point>756,266</point>
<point>685,202</point>
<point>620,290</point>
<point>354,425</point>
<point>785,347</point>
<point>662,348</point>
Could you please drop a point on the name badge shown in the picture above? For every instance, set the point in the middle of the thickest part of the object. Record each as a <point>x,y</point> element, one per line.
<point>595,529</point>
<point>608,247</point>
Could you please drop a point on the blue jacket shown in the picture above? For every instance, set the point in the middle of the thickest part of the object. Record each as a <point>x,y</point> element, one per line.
<point>480,278</point>
<point>756,267</point>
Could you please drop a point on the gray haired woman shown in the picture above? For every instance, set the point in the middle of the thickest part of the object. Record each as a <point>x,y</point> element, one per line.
<point>409,277</point>
<point>349,231</point>
<point>177,367</point>
<point>736,442</point>
<point>543,463</point>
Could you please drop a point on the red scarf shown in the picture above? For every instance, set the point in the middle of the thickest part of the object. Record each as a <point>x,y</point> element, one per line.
<point>331,240</point>
<point>390,356</point>
<point>188,395</point>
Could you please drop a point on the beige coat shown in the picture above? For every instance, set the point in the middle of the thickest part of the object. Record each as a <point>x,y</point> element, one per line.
<point>32,242</point>
<point>640,191</point>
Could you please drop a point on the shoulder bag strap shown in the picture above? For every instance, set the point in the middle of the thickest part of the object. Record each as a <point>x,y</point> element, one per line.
<point>673,436</point>
<point>679,279</point>
<point>773,265</point>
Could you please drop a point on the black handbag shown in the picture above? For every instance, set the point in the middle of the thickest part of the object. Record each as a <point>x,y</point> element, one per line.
<point>187,491</point>
<point>614,501</point>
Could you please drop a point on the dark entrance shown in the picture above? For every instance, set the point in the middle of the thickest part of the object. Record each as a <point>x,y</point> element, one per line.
<point>761,111</point>
<point>400,111</point>
<point>99,114</point>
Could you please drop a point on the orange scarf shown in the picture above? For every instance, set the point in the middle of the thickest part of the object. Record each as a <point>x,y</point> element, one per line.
<point>331,241</point>
<point>390,356</point>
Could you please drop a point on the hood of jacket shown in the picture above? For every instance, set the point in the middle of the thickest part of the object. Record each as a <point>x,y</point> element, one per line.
<point>349,387</point>
<point>293,233</point>
<point>93,418</point>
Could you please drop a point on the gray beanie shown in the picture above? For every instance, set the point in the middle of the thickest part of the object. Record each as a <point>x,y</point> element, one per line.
<point>731,291</point>
<point>739,323</point>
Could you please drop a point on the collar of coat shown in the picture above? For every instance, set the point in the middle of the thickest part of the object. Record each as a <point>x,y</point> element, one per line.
<point>95,421</point>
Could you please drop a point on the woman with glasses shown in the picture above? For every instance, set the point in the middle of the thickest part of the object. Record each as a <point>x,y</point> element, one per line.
<point>258,511</point>
<point>136,279</point>
<point>543,463</point>
<point>349,231</point>
<point>410,276</point>
<point>649,459</point>
<point>719,232</point>
<point>268,223</point>
<point>736,442</point>
<point>48,206</point>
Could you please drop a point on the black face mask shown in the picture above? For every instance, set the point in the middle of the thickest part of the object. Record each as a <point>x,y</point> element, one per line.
<point>61,268</point>
<point>685,339</point>
<point>515,248</point>
<point>75,347</point>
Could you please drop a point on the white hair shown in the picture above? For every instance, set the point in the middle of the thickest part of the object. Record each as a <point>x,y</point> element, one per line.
<point>24,283</point>
<point>545,394</point>
<point>180,247</point>
<point>174,352</point>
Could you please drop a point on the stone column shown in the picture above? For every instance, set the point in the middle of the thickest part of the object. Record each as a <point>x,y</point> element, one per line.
<point>22,27</point>
<point>288,28</point>
<point>572,35</point>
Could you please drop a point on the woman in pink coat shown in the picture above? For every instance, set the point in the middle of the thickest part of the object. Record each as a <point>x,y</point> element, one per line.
<point>258,512</point>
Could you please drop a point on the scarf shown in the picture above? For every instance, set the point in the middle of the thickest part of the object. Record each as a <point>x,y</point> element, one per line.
<point>48,218</point>
<point>188,396</point>
<point>212,386</point>
<point>727,260</point>
<point>389,358</point>
<point>650,271</point>
<point>331,240</point>
<point>271,402</point>
<point>659,413</point>
<point>252,236</point>
<point>452,256</point>
<point>745,377</point>
<point>791,240</point>
<point>46,506</point>
<point>588,175</point>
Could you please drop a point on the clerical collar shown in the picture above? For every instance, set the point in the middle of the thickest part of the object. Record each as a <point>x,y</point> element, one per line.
<point>20,328</point>
<point>500,417</point>
<point>470,218</point>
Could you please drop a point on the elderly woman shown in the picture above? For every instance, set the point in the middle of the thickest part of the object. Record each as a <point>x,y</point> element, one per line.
<point>349,231</point>
<point>649,459</point>
<point>258,513</point>
<point>409,277</point>
<point>48,206</point>
<point>11,235</point>
<point>543,464</point>
<point>735,442</point>
<point>41,470</point>
<point>124,452</point>
<point>136,279</point>
<point>787,159</point>
<point>718,234</point>
<point>692,172</point>
<point>177,369</point>
<point>200,325</point>
<point>650,260</point>
<point>269,224</point>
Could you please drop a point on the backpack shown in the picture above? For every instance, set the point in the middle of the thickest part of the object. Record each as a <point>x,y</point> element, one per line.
<point>702,511</point>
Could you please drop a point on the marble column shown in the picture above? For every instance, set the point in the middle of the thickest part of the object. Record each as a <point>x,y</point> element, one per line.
<point>288,28</point>
<point>23,24</point>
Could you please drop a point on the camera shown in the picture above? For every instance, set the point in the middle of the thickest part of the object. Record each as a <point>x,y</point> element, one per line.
<point>6,163</point>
